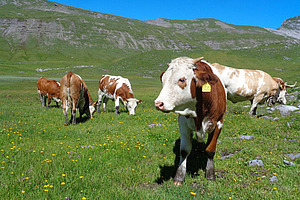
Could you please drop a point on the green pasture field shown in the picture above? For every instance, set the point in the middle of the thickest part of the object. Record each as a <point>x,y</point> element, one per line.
<point>135,157</point>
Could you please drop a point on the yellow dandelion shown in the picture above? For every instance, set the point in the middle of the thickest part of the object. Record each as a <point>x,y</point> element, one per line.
<point>83,198</point>
<point>193,193</point>
<point>80,177</point>
<point>23,191</point>
<point>63,183</point>
<point>63,175</point>
<point>90,158</point>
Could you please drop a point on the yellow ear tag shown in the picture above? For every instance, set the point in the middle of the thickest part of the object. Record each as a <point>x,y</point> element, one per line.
<point>206,88</point>
<point>281,86</point>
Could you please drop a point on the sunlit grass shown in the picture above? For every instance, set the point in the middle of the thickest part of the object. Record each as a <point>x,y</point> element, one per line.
<point>123,157</point>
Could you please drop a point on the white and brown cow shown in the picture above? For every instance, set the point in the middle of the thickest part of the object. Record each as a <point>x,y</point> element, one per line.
<point>192,90</point>
<point>48,88</point>
<point>253,85</point>
<point>74,94</point>
<point>116,88</point>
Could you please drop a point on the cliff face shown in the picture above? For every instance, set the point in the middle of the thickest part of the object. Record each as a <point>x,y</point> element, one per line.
<point>42,24</point>
<point>289,28</point>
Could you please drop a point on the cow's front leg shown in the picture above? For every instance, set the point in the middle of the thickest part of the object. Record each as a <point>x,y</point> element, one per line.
<point>253,108</point>
<point>185,149</point>
<point>117,105</point>
<point>45,99</point>
<point>104,103</point>
<point>210,151</point>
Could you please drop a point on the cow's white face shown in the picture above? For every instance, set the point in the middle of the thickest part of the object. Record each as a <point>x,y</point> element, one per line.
<point>176,95</point>
<point>281,98</point>
<point>131,105</point>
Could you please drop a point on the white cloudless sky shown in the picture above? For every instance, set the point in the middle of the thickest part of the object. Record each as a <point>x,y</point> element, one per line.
<point>262,13</point>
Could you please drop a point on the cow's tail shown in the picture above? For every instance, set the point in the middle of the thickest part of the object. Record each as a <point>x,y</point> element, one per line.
<point>69,75</point>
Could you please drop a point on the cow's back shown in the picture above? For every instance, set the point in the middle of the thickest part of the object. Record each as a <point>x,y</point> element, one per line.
<point>244,84</point>
<point>71,85</point>
<point>47,86</point>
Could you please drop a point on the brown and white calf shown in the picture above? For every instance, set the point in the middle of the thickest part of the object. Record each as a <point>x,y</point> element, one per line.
<point>253,85</point>
<point>192,90</point>
<point>116,88</point>
<point>75,95</point>
<point>48,88</point>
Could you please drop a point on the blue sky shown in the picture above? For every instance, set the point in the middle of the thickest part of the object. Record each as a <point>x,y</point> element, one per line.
<point>262,13</point>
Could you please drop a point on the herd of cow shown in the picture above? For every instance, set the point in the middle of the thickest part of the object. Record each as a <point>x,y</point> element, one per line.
<point>193,88</point>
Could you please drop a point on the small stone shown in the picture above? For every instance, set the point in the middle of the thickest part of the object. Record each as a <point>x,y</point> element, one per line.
<point>289,163</point>
<point>273,179</point>
<point>256,162</point>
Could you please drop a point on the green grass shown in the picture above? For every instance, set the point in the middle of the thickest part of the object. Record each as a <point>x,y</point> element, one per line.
<point>122,157</point>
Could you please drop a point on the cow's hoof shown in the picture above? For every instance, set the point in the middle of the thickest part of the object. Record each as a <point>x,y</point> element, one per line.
<point>178,183</point>
<point>211,177</point>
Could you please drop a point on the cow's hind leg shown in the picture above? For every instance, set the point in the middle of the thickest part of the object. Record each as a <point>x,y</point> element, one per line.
<point>210,151</point>
<point>117,105</point>
<point>185,149</point>
<point>73,117</point>
<point>65,110</point>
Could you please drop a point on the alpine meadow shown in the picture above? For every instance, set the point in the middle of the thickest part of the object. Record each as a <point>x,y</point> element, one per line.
<point>122,156</point>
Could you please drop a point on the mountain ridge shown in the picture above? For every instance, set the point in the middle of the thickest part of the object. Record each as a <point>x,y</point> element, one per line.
<point>40,25</point>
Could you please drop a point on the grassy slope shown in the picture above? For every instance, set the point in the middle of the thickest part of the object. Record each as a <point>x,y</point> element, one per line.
<point>122,157</point>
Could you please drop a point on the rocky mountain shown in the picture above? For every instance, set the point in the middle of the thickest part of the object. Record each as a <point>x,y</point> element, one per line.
<point>44,27</point>
<point>290,28</point>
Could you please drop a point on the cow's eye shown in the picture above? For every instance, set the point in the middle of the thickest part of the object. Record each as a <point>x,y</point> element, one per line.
<point>182,80</point>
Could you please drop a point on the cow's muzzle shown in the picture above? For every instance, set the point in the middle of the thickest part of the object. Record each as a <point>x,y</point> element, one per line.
<point>159,105</point>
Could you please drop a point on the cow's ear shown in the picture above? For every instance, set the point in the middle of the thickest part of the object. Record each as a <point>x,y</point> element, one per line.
<point>139,100</point>
<point>204,77</point>
<point>161,76</point>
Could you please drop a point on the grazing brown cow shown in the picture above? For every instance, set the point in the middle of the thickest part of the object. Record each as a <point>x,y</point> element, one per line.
<point>191,89</point>
<point>48,88</point>
<point>74,94</point>
<point>116,88</point>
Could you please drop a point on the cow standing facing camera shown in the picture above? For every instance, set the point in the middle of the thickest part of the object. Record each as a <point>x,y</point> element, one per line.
<point>191,89</point>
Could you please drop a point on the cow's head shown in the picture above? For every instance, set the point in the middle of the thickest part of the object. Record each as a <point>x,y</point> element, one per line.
<point>131,105</point>
<point>92,108</point>
<point>279,97</point>
<point>178,93</point>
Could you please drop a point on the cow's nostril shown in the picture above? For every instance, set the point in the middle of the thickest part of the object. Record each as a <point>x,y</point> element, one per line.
<point>159,105</point>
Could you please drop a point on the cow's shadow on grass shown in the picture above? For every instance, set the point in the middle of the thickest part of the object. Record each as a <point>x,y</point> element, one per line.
<point>80,120</point>
<point>196,160</point>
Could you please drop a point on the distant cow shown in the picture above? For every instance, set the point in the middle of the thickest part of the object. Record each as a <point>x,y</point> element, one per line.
<point>192,90</point>
<point>116,88</point>
<point>48,88</point>
<point>74,94</point>
<point>253,85</point>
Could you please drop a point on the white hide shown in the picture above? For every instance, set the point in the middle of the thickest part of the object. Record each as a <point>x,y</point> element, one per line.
<point>130,104</point>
